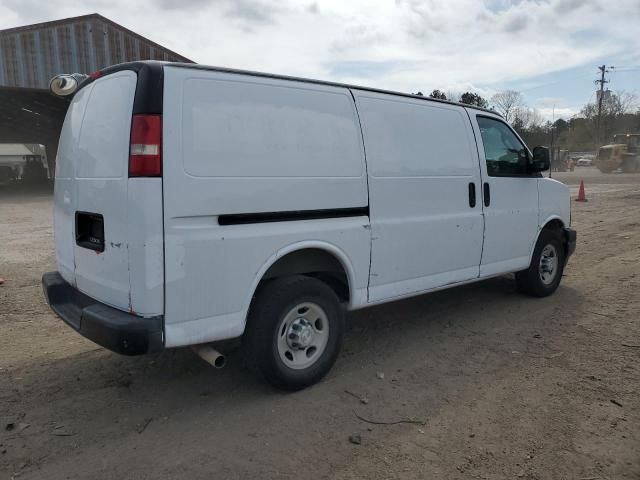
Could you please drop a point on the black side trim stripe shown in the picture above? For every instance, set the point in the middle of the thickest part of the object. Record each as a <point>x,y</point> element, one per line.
<point>295,215</point>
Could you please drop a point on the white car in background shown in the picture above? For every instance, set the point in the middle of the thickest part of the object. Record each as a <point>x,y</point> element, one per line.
<point>584,162</point>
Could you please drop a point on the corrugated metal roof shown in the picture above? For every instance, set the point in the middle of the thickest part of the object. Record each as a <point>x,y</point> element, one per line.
<point>31,55</point>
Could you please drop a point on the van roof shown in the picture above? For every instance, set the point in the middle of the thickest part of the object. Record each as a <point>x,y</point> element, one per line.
<point>196,66</point>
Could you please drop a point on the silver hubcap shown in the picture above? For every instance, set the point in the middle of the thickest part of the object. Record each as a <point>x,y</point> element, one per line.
<point>303,335</point>
<point>548,264</point>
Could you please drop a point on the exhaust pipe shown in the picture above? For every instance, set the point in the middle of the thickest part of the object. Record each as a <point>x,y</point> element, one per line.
<point>210,355</point>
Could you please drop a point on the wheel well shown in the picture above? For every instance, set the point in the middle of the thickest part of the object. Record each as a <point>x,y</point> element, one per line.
<point>554,224</point>
<point>312,262</point>
<point>557,225</point>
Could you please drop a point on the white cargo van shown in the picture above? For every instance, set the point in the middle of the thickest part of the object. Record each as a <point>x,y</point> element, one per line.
<point>197,204</point>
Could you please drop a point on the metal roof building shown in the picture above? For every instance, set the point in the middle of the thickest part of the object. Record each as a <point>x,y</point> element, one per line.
<point>31,55</point>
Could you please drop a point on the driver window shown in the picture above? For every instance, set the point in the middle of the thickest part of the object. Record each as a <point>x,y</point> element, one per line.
<point>503,152</point>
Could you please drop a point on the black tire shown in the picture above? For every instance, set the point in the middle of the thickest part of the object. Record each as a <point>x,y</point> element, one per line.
<point>274,300</point>
<point>530,281</point>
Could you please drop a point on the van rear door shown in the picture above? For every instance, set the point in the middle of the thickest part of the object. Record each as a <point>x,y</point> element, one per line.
<point>108,226</point>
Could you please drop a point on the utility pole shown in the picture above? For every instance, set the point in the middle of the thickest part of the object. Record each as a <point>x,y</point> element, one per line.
<point>601,81</point>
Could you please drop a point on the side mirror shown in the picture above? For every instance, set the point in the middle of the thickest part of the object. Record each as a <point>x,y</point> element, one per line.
<point>540,161</point>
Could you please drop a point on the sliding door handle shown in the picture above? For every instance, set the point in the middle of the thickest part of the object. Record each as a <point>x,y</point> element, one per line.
<point>487,195</point>
<point>472,194</point>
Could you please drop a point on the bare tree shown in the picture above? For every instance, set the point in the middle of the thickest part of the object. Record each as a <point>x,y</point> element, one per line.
<point>628,101</point>
<point>526,118</point>
<point>617,115</point>
<point>507,103</point>
<point>613,105</point>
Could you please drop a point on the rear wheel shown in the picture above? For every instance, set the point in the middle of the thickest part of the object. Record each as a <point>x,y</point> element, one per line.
<point>547,264</point>
<point>294,331</point>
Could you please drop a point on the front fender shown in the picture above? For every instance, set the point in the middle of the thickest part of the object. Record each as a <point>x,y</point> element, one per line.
<point>553,202</point>
<point>554,205</point>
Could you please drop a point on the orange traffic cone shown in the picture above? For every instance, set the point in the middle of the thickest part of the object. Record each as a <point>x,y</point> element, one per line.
<point>581,196</point>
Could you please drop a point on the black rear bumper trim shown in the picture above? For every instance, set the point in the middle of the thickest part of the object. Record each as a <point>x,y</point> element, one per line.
<point>109,327</point>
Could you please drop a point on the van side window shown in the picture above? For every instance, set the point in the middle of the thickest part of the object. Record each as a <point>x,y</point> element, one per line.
<point>505,155</point>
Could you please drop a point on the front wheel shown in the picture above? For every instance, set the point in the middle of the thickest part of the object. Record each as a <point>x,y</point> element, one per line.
<point>547,265</point>
<point>294,331</point>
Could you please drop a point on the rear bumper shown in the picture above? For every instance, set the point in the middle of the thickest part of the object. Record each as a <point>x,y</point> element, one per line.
<point>111,328</point>
<point>570,237</point>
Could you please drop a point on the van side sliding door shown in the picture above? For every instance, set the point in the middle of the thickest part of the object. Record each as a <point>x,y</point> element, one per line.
<point>424,197</point>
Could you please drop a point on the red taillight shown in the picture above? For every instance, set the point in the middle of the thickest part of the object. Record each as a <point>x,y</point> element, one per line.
<point>145,154</point>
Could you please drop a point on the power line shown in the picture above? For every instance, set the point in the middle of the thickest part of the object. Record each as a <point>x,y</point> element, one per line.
<point>626,69</point>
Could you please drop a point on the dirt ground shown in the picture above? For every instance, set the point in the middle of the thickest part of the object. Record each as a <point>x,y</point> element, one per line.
<point>506,386</point>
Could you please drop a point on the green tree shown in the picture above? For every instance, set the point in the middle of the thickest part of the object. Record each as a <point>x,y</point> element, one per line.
<point>560,125</point>
<point>438,94</point>
<point>471,98</point>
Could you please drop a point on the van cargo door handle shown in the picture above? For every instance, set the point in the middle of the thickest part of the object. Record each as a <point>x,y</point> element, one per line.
<point>487,195</point>
<point>472,194</point>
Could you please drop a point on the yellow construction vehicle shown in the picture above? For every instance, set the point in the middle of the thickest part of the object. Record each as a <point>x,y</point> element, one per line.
<point>622,153</point>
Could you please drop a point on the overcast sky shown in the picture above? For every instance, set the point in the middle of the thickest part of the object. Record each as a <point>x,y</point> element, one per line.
<point>549,50</point>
